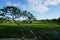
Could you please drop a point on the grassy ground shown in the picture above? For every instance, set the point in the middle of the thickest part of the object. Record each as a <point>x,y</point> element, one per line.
<point>46,31</point>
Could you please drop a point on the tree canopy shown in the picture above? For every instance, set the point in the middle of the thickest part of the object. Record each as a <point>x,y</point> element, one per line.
<point>12,12</point>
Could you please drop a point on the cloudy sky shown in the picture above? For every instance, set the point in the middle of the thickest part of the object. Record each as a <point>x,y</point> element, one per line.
<point>41,9</point>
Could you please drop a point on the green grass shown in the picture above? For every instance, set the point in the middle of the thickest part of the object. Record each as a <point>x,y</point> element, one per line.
<point>47,31</point>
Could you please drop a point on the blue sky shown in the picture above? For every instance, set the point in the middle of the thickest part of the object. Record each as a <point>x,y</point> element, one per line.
<point>41,9</point>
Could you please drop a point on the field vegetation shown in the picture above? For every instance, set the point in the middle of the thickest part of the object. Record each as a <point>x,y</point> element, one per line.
<point>28,28</point>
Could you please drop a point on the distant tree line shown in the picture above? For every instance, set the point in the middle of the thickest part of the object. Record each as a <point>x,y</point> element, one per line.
<point>56,20</point>
<point>51,20</point>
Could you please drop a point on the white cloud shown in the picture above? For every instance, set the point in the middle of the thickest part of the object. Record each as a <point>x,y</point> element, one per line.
<point>35,5</point>
<point>8,3</point>
<point>39,8</point>
<point>33,2</point>
<point>11,4</point>
<point>17,4</point>
<point>51,2</point>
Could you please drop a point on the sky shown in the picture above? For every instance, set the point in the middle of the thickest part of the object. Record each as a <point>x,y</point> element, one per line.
<point>41,9</point>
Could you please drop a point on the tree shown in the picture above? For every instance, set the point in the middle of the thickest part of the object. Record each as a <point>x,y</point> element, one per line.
<point>30,17</point>
<point>15,13</point>
<point>58,20</point>
<point>11,11</point>
<point>2,15</point>
<point>25,14</point>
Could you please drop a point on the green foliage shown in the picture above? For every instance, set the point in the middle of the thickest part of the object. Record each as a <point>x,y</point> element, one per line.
<point>13,13</point>
<point>46,29</point>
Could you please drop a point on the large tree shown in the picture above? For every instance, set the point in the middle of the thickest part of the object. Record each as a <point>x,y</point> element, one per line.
<point>14,13</point>
<point>28,17</point>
